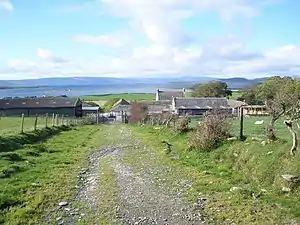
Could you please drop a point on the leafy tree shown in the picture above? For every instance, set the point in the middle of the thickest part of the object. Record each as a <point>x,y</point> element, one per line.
<point>281,95</point>
<point>250,97</point>
<point>109,104</point>
<point>212,89</point>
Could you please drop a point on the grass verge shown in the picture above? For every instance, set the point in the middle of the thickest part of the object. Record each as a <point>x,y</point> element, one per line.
<point>108,202</point>
<point>241,180</point>
<point>36,177</point>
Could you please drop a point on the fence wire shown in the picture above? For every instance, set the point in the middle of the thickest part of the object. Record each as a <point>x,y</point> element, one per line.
<point>255,127</point>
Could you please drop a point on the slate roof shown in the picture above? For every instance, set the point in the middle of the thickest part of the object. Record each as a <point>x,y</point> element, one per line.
<point>121,102</point>
<point>45,102</point>
<point>200,103</point>
<point>158,106</point>
<point>235,103</point>
<point>120,108</point>
<point>121,105</point>
<point>90,108</point>
<point>167,95</point>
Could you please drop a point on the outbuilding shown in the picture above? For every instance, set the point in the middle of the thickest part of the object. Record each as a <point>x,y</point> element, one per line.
<point>41,106</point>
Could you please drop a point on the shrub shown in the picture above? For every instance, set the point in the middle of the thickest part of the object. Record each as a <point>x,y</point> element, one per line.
<point>210,132</point>
<point>139,112</point>
<point>182,125</point>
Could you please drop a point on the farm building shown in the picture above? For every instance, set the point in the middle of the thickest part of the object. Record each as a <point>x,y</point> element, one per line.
<point>90,108</point>
<point>32,106</point>
<point>198,106</point>
<point>236,106</point>
<point>158,107</point>
<point>255,110</point>
<point>168,95</point>
<point>121,106</point>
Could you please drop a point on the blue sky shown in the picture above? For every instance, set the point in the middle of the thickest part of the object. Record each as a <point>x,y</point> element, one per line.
<point>125,38</point>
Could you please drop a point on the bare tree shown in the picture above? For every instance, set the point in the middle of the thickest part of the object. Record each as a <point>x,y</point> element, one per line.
<point>139,112</point>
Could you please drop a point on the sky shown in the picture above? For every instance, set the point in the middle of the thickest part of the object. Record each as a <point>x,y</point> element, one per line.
<point>149,38</point>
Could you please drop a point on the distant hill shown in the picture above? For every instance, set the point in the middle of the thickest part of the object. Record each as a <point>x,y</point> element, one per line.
<point>161,82</point>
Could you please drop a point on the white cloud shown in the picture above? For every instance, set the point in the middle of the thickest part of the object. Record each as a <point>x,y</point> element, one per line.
<point>171,50</point>
<point>112,40</point>
<point>48,55</point>
<point>156,61</point>
<point>6,5</point>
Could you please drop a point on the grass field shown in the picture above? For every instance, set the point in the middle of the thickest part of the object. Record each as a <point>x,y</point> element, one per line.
<point>35,177</point>
<point>11,125</point>
<point>240,180</point>
<point>102,99</point>
<point>128,97</point>
<point>253,130</point>
<point>236,94</point>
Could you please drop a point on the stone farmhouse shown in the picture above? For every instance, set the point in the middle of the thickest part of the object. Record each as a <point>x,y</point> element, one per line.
<point>32,105</point>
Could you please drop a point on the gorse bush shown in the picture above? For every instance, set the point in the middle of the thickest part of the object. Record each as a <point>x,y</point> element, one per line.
<point>210,131</point>
<point>182,125</point>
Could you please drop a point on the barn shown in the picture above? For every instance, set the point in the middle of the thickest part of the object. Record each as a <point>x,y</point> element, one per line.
<point>198,106</point>
<point>33,105</point>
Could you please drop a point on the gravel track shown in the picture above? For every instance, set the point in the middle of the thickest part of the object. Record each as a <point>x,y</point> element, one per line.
<point>140,200</point>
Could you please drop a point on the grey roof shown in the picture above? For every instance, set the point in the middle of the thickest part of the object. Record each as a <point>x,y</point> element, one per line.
<point>254,106</point>
<point>90,108</point>
<point>121,102</point>
<point>158,106</point>
<point>201,103</point>
<point>121,105</point>
<point>120,108</point>
<point>45,102</point>
<point>167,95</point>
<point>235,103</point>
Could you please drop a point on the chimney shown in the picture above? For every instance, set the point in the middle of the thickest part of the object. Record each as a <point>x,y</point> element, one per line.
<point>157,95</point>
<point>173,104</point>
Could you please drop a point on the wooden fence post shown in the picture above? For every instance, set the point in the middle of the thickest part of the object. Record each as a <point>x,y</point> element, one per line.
<point>46,120</point>
<point>35,122</point>
<point>62,119</point>
<point>53,119</point>
<point>56,119</point>
<point>22,124</point>
<point>242,124</point>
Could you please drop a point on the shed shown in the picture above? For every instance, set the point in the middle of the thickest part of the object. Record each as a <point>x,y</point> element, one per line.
<point>198,106</point>
<point>121,106</point>
<point>33,105</point>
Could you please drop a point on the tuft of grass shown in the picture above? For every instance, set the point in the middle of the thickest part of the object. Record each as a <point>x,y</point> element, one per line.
<point>108,192</point>
<point>14,142</point>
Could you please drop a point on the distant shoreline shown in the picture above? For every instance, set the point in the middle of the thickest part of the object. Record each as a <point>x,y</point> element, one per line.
<point>21,87</point>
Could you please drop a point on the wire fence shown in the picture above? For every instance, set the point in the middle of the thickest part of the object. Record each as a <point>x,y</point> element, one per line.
<point>16,125</point>
<point>255,127</point>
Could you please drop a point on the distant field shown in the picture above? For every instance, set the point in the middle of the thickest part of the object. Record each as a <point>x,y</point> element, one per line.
<point>128,97</point>
<point>236,94</point>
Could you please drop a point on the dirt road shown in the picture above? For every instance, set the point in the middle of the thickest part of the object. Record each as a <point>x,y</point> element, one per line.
<point>118,187</point>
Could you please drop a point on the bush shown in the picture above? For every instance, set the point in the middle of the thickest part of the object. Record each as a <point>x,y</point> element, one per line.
<point>210,132</point>
<point>182,125</point>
